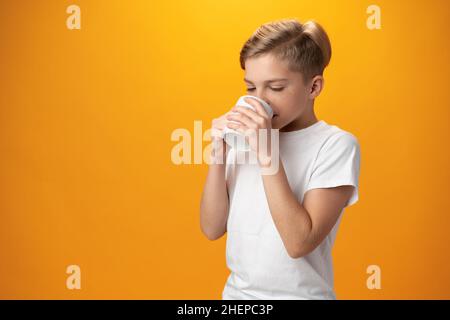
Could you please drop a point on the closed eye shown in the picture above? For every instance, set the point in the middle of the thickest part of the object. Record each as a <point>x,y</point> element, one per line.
<point>274,89</point>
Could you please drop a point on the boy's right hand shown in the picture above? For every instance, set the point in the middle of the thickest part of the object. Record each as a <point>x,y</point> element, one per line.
<point>217,127</point>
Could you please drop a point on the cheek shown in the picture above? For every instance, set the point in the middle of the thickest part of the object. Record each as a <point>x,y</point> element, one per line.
<point>296,102</point>
<point>289,106</point>
<point>292,112</point>
<point>288,103</point>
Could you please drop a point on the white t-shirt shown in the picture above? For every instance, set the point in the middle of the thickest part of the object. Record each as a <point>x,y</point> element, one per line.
<point>319,156</point>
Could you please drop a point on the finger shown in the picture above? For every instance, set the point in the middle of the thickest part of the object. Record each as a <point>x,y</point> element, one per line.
<point>242,129</point>
<point>258,107</point>
<point>217,133</point>
<point>235,126</point>
<point>251,114</point>
<point>242,118</point>
<point>219,125</point>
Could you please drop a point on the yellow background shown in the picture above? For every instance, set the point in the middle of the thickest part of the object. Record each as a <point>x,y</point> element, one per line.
<point>86,116</point>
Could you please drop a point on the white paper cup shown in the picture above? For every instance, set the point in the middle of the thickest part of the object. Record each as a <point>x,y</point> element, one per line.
<point>235,139</point>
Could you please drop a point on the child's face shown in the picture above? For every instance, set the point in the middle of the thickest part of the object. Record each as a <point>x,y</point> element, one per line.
<point>289,98</point>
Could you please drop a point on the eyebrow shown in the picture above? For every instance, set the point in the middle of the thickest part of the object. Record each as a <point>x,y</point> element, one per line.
<point>268,81</point>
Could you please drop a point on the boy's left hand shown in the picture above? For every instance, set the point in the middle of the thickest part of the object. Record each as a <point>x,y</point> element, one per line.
<point>250,124</point>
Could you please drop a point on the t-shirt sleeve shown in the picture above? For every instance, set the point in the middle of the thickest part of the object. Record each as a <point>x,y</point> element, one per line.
<point>337,164</point>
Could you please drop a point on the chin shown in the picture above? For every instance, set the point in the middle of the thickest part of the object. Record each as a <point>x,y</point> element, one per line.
<point>276,124</point>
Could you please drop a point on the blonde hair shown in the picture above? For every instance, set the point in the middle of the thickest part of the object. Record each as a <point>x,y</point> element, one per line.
<point>305,47</point>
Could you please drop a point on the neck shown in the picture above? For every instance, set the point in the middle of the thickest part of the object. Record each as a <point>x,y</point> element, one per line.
<point>305,120</point>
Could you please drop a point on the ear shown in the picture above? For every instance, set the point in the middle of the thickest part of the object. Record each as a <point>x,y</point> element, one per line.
<point>316,86</point>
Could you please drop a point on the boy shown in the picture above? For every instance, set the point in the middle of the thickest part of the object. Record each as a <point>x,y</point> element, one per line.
<point>281,226</point>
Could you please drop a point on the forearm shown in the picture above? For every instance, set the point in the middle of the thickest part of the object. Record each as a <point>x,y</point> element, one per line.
<point>214,203</point>
<point>291,219</point>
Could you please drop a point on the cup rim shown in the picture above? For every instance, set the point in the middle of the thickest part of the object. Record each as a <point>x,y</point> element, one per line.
<point>264,103</point>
